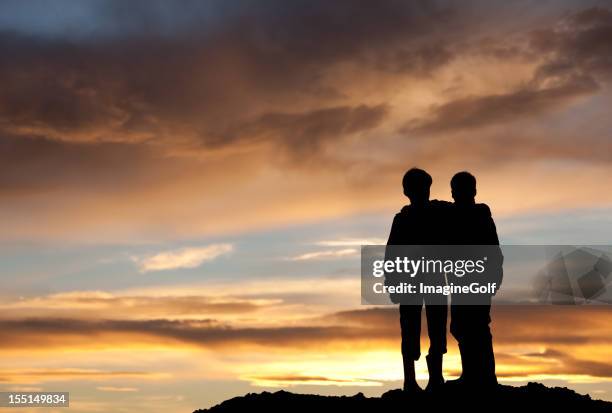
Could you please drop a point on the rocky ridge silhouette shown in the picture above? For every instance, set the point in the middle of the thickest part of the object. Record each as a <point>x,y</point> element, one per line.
<point>532,397</point>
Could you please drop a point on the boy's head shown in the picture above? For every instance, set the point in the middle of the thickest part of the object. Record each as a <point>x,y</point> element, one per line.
<point>417,184</point>
<point>463,186</point>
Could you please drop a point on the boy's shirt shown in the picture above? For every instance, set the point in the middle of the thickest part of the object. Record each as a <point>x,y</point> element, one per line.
<point>421,225</point>
<point>416,225</point>
<point>474,225</point>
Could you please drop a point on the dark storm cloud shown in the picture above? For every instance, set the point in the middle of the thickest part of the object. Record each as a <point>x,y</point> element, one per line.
<point>579,44</point>
<point>304,133</point>
<point>575,62</point>
<point>493,109</point>
<point>202,80</point>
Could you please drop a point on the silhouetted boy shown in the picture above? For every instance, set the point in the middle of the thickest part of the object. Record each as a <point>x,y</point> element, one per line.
<point>472,224</point>
<point>420,224</point>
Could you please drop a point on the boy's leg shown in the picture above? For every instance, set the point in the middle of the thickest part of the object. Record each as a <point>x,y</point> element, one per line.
<point>470,326</point>
<point>481,341</point>
<point>410,322</point>
<point>459,325</point>
<point>436,309</point>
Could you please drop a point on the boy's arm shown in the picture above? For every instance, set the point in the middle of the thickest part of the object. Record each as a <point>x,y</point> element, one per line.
<point>394,234</point>
<point>492,231</point>
<point>391,279</point>
<point>493,239</point>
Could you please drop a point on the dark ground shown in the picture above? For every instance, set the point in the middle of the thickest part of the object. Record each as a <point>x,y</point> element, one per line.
<point>533,397</point>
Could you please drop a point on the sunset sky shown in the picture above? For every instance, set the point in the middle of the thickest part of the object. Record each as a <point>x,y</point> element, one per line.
<point>185,186</point>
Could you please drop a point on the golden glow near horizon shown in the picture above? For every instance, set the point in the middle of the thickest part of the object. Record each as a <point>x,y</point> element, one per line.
<point>357,348</point>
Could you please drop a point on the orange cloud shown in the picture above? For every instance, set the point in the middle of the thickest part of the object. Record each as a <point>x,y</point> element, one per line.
<point>38,375</point>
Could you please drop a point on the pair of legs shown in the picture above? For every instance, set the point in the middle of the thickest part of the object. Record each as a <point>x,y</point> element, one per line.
<point>470,327</point>
<point>436,310</point>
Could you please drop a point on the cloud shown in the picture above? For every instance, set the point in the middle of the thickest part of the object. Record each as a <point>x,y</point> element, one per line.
<point>351,242</point>
<point>191,257</point>
<point>473,112</point>
<point>568,364</point>
<point>577,45</point>
<point>117,389</point>
<point>305,133</point>
<point>293,380</point>
<point>24,389</point>
<point>571,63</point>
<point>506,329</point>
<point>358,327</point>
<point>102,305</point>
<point>74,165</point>
<point>199,333</point>
<point>328,254</point>
<point>36,375</point>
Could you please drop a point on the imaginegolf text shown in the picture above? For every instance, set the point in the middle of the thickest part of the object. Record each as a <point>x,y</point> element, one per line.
<point>406,288</point>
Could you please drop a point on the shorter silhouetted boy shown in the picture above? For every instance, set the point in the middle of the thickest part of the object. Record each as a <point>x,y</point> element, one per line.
<point>472,224</point>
